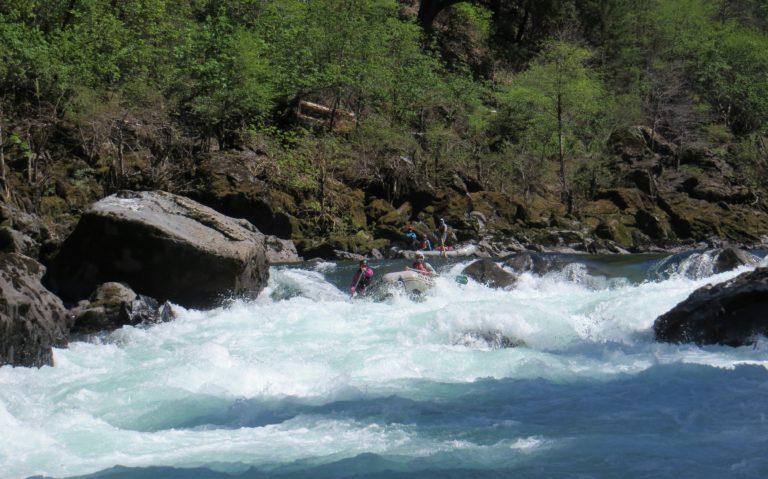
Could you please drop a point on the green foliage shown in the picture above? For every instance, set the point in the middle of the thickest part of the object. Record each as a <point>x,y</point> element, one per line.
<point>515,94</point>
<point>554,108</point>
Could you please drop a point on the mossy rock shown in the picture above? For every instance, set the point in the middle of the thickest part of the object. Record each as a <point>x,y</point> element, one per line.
<point>377,208</point>
<point>452,206</point>
<point>399,217</point>
<point>494,204</point>
<point>599,208</point>
<point>325,248</point>
<point>351,206</point>
<point>654,223</point>
<point>613,229</point>
<point>694,219</point>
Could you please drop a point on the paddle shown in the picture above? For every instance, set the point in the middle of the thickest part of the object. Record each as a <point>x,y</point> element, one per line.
<point>354,291</point>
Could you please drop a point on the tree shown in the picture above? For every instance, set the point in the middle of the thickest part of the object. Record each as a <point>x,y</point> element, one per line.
<point>556,103</point>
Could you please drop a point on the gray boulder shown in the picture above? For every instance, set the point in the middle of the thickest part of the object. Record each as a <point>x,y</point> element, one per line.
<point>32,319</point>
<point>114,305</point>
<point>281,250</point>
<point>489,273</point>
<point>162,245</point>
<point>730,313</point>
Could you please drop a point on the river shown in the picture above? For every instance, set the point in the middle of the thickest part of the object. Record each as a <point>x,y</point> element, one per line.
<point>304,382</point>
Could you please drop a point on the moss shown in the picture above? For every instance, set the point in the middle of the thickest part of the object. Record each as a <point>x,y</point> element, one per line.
<point>613,229</point>
<point>53,206</point>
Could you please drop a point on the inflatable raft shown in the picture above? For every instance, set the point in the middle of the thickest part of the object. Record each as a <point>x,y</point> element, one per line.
<point>411,281</point>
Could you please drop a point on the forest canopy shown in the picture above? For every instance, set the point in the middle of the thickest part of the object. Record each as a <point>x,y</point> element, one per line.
<point>521,95</point>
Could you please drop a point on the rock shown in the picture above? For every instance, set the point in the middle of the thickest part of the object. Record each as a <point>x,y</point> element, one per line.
<point>235,186</point>
<point>525,262</point>
<point>491,339</point>
<point>164,246</point>
<point>731,258</point>
<point>12,241</point>
<point>489,273</point>
<point>730,313</point>
<point>281,251</point>
<point>114,305</point>
<point>346,255</point>
<point>32,319</point>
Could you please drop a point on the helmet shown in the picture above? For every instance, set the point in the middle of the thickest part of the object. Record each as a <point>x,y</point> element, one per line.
<point>363,262</point>
<point>419,255</point>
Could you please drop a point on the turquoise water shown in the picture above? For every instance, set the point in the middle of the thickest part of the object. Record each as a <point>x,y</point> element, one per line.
<point>305,383</point>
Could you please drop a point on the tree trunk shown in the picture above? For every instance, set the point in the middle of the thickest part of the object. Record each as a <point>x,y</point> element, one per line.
<point>561,153</point>
<point>3,179</point>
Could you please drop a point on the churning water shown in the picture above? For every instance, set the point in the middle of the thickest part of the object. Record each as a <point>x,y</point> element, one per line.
<point>559,377</point>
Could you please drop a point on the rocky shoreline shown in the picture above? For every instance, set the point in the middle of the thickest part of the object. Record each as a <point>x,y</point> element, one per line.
<point>132,254</point>
<point>120,260</point>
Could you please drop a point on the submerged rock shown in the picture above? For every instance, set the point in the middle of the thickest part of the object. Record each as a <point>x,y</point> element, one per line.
<point>162,245</point>
<point>491,339</point>
<point>32,319</point>
<point>730,313</point>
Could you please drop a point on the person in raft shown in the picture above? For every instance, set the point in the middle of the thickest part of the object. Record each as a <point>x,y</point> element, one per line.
<point>361,279</point>
<point>411,238</point>
<point>422,266</point>
<point>425,243</point>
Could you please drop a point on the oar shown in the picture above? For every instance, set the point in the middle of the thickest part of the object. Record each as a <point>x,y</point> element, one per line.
<point>359,277</point>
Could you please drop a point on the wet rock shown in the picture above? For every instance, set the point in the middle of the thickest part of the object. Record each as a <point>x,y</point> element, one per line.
<point>32,319</point>
<point>489,273</point>
<point>730,313</point>
<point>528,262</point>
<point>732,258</point>
<point>489,339</point>
<point>164,246</point>
<point>114,305</point>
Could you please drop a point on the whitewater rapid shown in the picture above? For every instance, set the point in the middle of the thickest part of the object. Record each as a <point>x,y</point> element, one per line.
<point>304,380</point>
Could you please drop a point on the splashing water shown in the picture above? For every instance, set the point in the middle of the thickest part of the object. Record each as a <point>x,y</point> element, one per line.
<point>559,377</point>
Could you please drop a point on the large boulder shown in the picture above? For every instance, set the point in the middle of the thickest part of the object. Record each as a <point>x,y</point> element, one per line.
<point>32,319</point>
<point>730,313</point>
<point>489,273</point>
<point>162,245</point>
